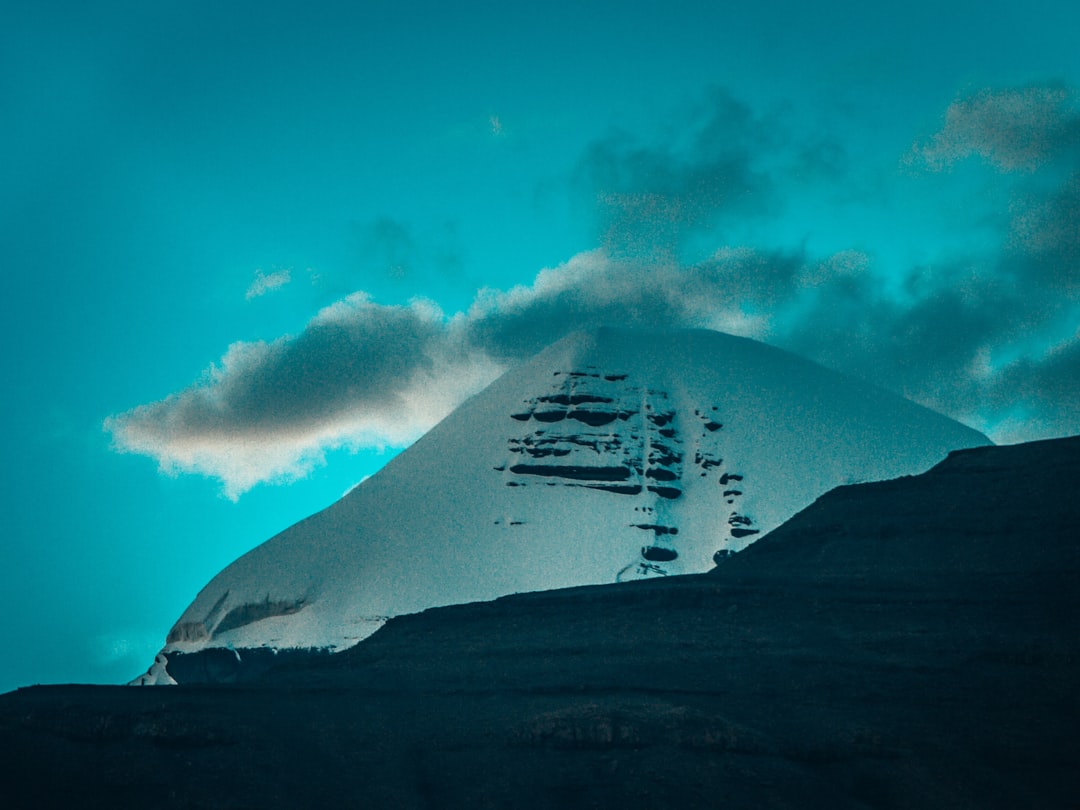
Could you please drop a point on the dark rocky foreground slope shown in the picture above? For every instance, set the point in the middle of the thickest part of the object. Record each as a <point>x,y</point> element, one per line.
<point>912,643</point>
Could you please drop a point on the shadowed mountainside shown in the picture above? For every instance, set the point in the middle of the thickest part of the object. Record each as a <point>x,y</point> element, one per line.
<point>906,643</point>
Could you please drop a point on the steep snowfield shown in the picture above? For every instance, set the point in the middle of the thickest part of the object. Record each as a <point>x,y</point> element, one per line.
<point>611,455</point>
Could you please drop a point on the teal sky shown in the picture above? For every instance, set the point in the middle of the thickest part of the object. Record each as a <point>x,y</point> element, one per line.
<point>249,250</point>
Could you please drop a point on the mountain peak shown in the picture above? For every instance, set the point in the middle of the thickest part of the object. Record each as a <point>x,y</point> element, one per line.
<point>613,454</point>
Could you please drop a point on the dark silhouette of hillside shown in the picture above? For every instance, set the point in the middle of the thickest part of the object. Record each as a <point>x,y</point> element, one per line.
<point>910,643</point>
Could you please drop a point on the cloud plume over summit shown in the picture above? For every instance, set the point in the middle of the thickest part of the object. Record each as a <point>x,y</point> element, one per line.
<point>987,335</point>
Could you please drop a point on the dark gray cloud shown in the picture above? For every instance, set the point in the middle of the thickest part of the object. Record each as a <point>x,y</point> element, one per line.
<point>648,197</point>
<point>353,353</point>
<point>1045,231</point>
<point>990,338</point>
<point>987,337</point>
<point>360,373</point>
<point>998,332</point>
<point>925,348</point>
<point>1044,389</point>
<point>594,289</point>
<point>1015,129</point>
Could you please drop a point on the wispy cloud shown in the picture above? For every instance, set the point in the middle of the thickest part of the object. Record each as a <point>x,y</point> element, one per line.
<point>1015,129</point>
<point>266,282</point>
<point>649,197</point>
<point>988,336</point>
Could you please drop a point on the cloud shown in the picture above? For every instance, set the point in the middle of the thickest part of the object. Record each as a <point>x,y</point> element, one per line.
<point>987,336</point>
<point>364,374</point>
<point>649,197</point>
<point>1047,387</point>
<point>360,374</point>
<point>1045,229</point>
<point>266,282</point>
<point>593,289</point>
<point>1015,129</point>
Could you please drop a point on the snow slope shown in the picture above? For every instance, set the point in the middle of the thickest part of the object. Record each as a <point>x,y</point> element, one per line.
<point>612,455</point>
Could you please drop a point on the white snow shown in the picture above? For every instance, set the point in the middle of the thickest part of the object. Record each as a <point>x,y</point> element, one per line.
<point>572,469</point>
<point>157,675</point>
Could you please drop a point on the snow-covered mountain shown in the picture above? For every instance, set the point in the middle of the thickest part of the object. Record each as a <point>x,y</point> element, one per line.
<point>612,455</point>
